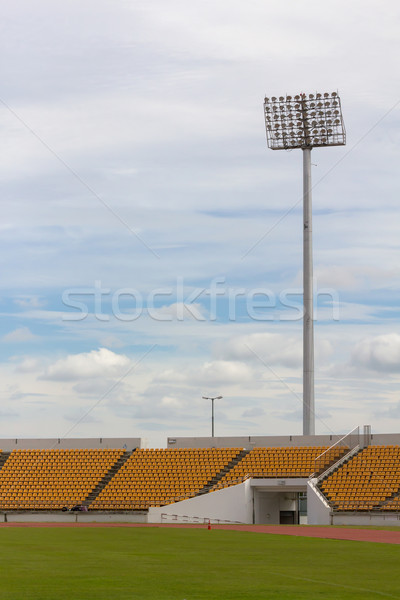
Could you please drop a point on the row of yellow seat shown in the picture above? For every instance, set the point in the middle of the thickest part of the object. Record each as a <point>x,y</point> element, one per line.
<point>160,477</point>
<point>281,462</point>
<point>367,481</point>
<point>52,478</point>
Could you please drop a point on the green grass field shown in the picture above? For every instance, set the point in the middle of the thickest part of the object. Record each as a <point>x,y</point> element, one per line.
<point>190,564</point>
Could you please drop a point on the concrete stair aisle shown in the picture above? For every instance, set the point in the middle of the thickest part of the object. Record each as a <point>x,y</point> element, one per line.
<point>3,458</point>
<point>212,482</point>
<point>107,478</point>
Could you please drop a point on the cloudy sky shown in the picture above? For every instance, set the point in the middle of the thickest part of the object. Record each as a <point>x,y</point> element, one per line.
<point>151,243</point>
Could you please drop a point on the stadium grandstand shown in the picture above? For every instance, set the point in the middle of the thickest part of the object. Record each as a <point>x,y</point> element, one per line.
<point>350,479</point>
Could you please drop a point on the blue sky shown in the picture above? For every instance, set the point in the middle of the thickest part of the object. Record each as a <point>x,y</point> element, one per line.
<point>151,247</point>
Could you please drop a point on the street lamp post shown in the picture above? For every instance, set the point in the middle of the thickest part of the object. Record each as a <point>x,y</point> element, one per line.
<point>212,410</point>
<point>305,122</point>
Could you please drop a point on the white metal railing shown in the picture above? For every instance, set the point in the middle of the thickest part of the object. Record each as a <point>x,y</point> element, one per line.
<point>350,441</point>
<point>314,485</point>
<point>175,518</point>
<point>337,463</point>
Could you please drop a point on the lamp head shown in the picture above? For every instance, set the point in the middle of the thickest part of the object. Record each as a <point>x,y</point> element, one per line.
<point>284,132</point>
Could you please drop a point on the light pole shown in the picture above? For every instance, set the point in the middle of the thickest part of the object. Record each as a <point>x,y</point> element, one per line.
<point>212,410</point>
<point>305,122</point>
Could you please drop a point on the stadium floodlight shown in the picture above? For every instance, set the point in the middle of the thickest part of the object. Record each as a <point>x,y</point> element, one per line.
<point>306,122</point>
<point>212,410</point>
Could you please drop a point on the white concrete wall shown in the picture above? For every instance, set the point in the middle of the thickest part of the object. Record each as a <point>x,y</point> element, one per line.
<point>99,517</point>
<point>247,442</point>
<point>383,439</point>
<point>30,517</point>
<point>250,442</point>
<point>366,519</point>
<point>318,510</point>
<point>345,519</point>
<point>230,504</point>
<point>266,507</point>
<point>7,445</point>
<point>303,520</point>
<point>273,495</point>
<point>287,502</point>
<point>236,503</point>
<point>291,484</point>
<point>274,441</point>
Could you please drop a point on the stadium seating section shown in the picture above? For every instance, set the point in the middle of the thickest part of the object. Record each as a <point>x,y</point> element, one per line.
<point>160,477</point>
<point>368,481</point>
<point>114,479</point>
<point>52,479</point>
<point>281,462</point>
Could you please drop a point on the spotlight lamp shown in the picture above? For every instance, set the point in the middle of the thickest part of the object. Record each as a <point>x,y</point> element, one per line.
<point>283,132</point>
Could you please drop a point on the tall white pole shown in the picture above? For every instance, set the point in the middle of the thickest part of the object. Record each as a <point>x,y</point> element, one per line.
<point>308,323</point>
<point>290,123</point>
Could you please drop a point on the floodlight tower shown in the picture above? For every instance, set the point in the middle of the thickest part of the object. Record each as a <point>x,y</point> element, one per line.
<point>305,122</point>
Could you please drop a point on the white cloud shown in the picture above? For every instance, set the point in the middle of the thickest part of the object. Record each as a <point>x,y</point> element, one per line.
<point>28,364</point>
<point>30,302</point>
<point>179,311</point>
<point>20,335</point>
<point>222,373</point>
<point>344,277</point>
<point>170,376</point>
<point>380,353</point>
<point>207,376</point>
<point>97,363</point>
<point>272,348</point>
<point>170,402</point>
<point>77,417</point>
<point>254,412</point>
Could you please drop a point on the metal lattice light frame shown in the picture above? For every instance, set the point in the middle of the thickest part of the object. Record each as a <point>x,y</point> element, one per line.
<point>303,121</point>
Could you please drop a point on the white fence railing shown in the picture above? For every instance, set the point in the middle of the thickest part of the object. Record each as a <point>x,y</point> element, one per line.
<point>173,518</point>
